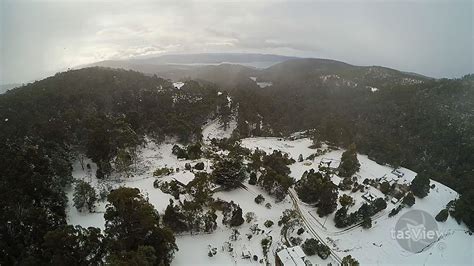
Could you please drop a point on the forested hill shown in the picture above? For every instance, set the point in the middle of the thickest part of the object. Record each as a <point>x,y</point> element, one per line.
<point>103,113</point>
<point>426,125</point>
<point>335,72</point>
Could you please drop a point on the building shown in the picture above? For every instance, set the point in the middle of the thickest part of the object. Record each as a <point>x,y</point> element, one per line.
<point>292,256</point>
<point>369,196</point>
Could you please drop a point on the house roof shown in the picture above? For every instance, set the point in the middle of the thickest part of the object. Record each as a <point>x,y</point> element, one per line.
<point>292,256</point>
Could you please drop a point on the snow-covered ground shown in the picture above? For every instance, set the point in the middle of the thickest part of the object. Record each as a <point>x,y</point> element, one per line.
<point>368,246</point>
<point>214,129</point>
<point>375,245</point>
<point>151,157</point>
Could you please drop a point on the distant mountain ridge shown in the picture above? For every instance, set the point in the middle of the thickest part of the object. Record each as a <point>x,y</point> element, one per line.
<point>212,58</point>
<point>230,70</point>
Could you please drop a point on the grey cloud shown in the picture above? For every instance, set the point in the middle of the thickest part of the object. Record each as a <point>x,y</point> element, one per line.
<point>434,38</point>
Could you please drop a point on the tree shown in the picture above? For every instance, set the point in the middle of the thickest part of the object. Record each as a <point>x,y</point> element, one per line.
<point>420,186</point>
<point>300,158</point>
<point>174,218</point>
<point>194,151</point>
<point>310,246</point>
<point>346,200</point>
<point>327,200</point>
<point>200,188</point>
<point>367,223</point>
<point>317,188</point>
<point>199,166</point>
<point>179,152</point>
<point>84,196</point>
<point>310,185</point>
<point>349,162</point>
<point>385,187</point>
<point>323,251</point>
<point>253,178</point>
<point>379,204</point>
<point>464,209</point>
<point>69,245</point>
<point>131,222</point>
<point>237,218</point>
<point>259,199</point>
<point>340,217</point>
<point>123,161</point>
<point>409,199</point>
<point>229,173</point>
<point>144,255</point>
<point>210,221</point>
<point>349,261</point>
<point>442,216</point>
<point>268,223</point>
<point>256,159</point>
<point>275,179</point>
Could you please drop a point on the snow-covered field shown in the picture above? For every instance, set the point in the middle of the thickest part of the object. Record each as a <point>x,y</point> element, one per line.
<point>214,129</point>
<point>368,246</point>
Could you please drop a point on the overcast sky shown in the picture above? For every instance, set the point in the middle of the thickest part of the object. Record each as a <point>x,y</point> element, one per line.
<point>39,38</point>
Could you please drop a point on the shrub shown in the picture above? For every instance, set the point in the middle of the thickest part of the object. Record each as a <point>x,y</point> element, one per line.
<point>395,211</point>
<point>268,223</point>
<point>162,171</point>
<point>346,200</point>
<point>367,223</point>
<point>300,231</point>
<point>349,261</point>
<point>323,251</point>
<point>259,199</point>
<point>253,178</point>
<point>250,216</point>
<point>310,246</point>
<point>199,166</point>
<point>409,199</point>
<point>442,216</point>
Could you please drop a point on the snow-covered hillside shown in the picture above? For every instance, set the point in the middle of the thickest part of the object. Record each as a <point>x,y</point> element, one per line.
<point>368,246</point>
<point>375,245</point>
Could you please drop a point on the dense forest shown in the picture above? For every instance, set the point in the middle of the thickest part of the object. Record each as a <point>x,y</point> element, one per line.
<point>427,127</point>
<point>104,114</point>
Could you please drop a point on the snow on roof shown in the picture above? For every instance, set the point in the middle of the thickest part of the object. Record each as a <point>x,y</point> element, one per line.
<point>372,89</point>
<point>369,196</point>
<point>178,84</point>
<point>184,177</point>
<point>292,256</point>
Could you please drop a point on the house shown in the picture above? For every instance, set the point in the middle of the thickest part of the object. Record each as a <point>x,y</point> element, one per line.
<point>369,196</point>
<point>390,179</point>
<point>292,256</point>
